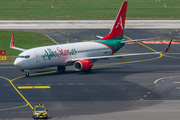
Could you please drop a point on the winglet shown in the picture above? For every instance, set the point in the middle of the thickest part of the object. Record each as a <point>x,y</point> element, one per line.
<point>12,41</point>
<point>12,44</point>
<point>168,46</point>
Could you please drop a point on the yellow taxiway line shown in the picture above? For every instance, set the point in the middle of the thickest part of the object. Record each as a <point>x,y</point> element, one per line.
<point>33,87</point>
<point>14,108</point>
<point>10,81</point>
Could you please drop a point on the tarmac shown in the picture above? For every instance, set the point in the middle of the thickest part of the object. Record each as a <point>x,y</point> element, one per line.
<point>132,88</point>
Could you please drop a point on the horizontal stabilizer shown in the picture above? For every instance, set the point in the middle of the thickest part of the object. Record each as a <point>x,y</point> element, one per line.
<point>99,36</point>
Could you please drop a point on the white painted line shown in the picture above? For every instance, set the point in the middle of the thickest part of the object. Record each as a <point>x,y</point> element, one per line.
<point>176,82</point>
<point>16,25</point>
<point>164,78</point>
<point>52,39</point>
<point>160,79</point>
<point>178,87</point>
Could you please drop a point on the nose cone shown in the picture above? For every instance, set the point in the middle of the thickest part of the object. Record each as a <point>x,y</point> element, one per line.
<point>19,63</point>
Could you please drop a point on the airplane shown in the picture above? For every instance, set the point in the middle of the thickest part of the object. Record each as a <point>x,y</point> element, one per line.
<point>81,55</point>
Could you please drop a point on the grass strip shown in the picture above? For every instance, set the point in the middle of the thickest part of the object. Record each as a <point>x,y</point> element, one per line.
<point>22,39</point>
<point>87,9</point>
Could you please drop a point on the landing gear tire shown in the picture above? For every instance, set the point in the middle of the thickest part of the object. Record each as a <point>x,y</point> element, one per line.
<point>61,68</point>
<point>27,74</point>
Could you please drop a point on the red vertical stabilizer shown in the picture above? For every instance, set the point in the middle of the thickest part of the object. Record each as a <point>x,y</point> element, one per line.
<point>118,28</point>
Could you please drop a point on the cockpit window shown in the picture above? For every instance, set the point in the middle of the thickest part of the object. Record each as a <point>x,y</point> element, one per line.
<point>20,56</point>
<point>27,56</point>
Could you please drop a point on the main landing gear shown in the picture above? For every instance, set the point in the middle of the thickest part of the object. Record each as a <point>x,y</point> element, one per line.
<point>61,68</point>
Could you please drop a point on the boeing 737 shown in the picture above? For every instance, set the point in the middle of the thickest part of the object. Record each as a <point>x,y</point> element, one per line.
<point>81,55</point>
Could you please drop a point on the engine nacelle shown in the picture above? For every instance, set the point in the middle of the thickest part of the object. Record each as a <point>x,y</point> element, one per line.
<point>82,65</point>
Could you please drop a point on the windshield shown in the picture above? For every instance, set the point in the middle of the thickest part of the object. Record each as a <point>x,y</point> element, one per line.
<point>27,56</point>
<point>40,109</point>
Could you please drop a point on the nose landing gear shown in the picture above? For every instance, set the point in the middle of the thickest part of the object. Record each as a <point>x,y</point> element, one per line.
<point>26,73</point>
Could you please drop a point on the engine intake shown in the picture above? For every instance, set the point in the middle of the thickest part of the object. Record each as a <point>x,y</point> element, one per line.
<point>82,65</point>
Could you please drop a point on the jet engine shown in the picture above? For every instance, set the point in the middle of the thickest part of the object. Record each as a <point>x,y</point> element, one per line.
<point>83,65</point>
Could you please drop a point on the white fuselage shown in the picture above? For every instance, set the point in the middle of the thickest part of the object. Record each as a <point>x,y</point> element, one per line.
<point>59,55</point>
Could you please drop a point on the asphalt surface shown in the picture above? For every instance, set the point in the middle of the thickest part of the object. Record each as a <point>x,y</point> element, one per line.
<point>138,87</point>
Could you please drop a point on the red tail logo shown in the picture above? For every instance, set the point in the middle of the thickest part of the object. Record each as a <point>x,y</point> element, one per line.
<point>118,28</point>
<point>120,23</point>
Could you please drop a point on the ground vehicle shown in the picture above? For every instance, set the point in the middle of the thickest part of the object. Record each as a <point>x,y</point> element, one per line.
<point>40,111</point>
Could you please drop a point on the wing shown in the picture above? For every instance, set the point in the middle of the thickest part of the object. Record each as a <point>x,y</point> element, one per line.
<point>138,40</point>
<point>132,40</point>
<point>12,44</point>
<point>121,56</point>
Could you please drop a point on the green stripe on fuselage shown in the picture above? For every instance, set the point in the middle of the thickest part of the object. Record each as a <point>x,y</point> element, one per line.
<point>113,43</point>
<point>118,38</point>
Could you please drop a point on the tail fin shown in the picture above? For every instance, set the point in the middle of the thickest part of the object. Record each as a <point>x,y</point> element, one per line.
<point>118,28</point>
